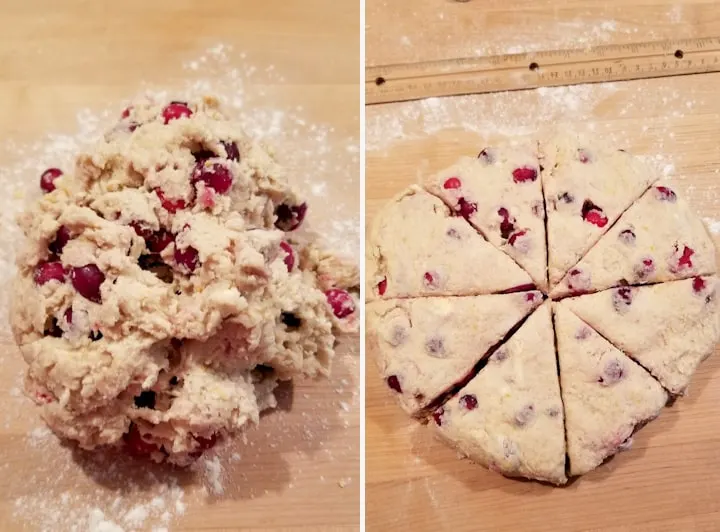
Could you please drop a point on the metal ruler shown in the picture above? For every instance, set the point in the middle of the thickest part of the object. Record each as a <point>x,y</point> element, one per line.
<point>477,75</point>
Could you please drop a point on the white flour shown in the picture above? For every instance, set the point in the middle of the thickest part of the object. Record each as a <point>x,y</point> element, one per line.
<point>70,491</point>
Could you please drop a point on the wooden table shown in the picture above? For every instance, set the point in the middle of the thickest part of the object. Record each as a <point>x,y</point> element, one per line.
<point>300,469</point>
<point>670,479</point>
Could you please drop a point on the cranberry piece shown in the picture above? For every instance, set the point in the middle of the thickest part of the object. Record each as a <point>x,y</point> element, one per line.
<point>289,255</point>
<point>645,268</point>
<point>430,279</point>
<point>231,149</point>
<point>612,373</point>
<point>666,194</point>
<point>515,236</point>
<point>578,282</point>
<point>524,174</point>
<point>68,315</point>
<point>530,297</point>
<point>486,156</point>
<point>583,156</point>
<point>438,416</point>
<point>452,183</point>
<point>176,110</point>
<point>469,402</point>
<point>289,217</point>
<point>394,383</point>
<point>62,237</point>
<point>126,112</point>
<point>49,271</point>
<point>188,258</point>
<point>159,240</point>
<point>627,236</point>
<point>593,214</point>
<point>622,298</point>
<point>341,302</point>
<point>507,225</point>
<point>698,284</point>
<point>685,259</point>
<point>382,286</point>
<point>172,205</point>
<point>87,280</point>
<point>465,208</point>
<point>141,230</point>
<point>48,177</point>
<point>135,444</point>
<point>215,175</point>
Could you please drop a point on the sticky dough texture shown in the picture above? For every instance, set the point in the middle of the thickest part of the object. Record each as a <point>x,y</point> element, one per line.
<point>211,343</point>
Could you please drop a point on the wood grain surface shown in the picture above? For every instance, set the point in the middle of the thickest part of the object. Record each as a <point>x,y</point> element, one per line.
<point>669,479</point>
<point>300,469</point>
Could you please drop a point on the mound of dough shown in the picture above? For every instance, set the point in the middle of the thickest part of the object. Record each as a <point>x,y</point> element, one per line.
<point>640,265</point>
<point>160,294</point>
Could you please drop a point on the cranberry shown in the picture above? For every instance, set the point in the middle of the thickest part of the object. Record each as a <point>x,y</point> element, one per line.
<point>187,258</point>
<point>593,214</point>
<point>524,174</point>
<point>289,217</point>
<point>48,177</point>
<point>465,208</point>
<point>49,271</point>
<point>530,297</point>
<point>685,259</point>
<point>698,284</point>
<point>566,197</point>
<point>172,205</point>
<point>452,183</point>
<point>68,315</point>
<point>538,209</point>
<point>289,255</point>
<point>135,444</point>
<point>87,280</point>
<point>231,150</point>
<point>515,236</point>
<point>435,347</point>
<point>438,416</point>
<point>430,279</point>
<point>126,112</point>
<point>141,230</point>
<point>645,268</point>
<point>62,237</point>
<point>394,383</point>
<point>578,281</point>
<point>612,373</point>
<point>507,225</point>
<point>627,236</point>
<point>583,156</point>
<point>382,286</point>
<point>486,156</point>
<point>666,194</point>
<point>159,240</point>
<point>469,402</point>
<point>176,110</point>
<point>215,175</point>
<point>341,302</point>
<point>622,298</point>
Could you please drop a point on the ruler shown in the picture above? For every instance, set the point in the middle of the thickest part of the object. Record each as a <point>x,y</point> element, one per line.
<point>478,75</point>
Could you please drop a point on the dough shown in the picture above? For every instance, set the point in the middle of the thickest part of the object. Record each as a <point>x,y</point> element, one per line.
<point>667,328</point>
<point>440,263</point>
<point>426,346</point>
<point>606,395</point>
<point>160,295</point>
<point>658,239</point>
<point>510,416</point>
<point>587,186</point>
<point>499,193</point>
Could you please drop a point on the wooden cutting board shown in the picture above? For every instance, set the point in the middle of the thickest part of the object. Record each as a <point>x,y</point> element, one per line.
<point>300,469</point>
<point>668,480</point>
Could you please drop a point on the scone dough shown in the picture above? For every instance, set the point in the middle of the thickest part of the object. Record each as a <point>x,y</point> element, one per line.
<point>426,346</point>
<point>442,262</point>
<point>161,295</point>
<point>606,395</point>
<point>510,416</point>
<point>499,193</point>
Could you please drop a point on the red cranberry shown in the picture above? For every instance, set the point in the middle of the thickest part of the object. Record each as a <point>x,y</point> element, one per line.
<point>62,237</point>
<point>341,302</point>
<point>215,175</point>
<point>382,286</point>
<point>515,236</point>
<point>666,194</point>
<point>622,298</point>
<point>524,174</point>
<point>452,183</point>
<point>430,279</point>
<point>49,271</point>
<point>685,259</point>
<point>583,156</point>
<point>176,110</point>
<point>135,444</point>
<point>507,225</point>
<point>141,230</point>
<point>469,402</point>
<point>171,205</point>
<point>159,240</point>
<point>289,217</point>
<point>530,297</point>
<point>231,149</point>
<point>593,214</point>
<point>126,112</point>
<point>438,416</point>
<point>68,315</point>
<point>48,177</point>
<point>394,383</point>
<point>87,280</point>
<point>698,284</point>
<point>645,268</point>
<point>465,208</point>
<point>188,258</point>
<point>289,255</point>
